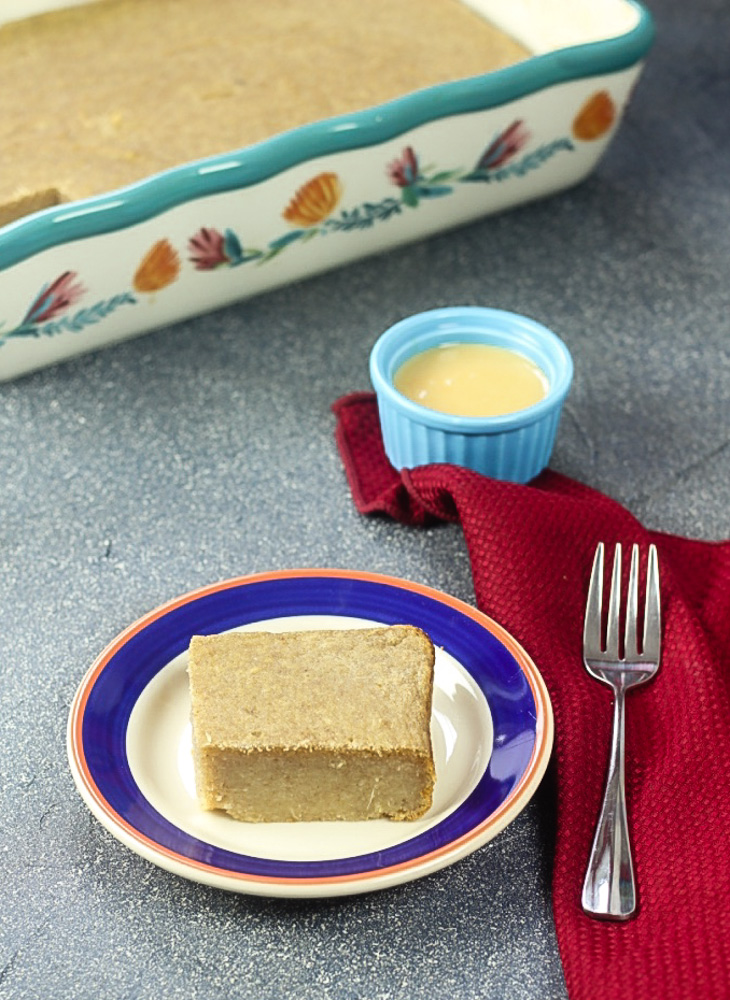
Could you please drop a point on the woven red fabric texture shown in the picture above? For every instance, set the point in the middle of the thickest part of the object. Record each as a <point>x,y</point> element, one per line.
<point>531,549</point>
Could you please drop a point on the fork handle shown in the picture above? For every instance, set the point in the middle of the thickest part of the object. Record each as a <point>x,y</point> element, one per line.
<point>609,889</point>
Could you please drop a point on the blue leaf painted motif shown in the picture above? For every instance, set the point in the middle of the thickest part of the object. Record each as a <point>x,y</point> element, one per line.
<point>232,247</point>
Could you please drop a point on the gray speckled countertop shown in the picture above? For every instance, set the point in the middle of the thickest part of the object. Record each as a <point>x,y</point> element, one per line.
<point>205,451</point>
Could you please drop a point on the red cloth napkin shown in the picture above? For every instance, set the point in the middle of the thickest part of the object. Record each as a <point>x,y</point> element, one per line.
<point>531,549</point>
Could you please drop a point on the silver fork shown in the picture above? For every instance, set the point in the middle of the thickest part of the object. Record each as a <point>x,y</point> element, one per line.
<point>609,889</point>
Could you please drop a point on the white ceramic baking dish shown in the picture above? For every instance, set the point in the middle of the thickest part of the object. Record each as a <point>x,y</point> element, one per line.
<point>82,275</point>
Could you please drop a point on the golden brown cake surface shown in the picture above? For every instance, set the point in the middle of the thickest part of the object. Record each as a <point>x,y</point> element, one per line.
<point>98,96</point>
<point>316,725</point>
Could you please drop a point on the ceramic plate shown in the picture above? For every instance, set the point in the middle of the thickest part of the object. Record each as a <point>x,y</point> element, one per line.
<point>129,738</point>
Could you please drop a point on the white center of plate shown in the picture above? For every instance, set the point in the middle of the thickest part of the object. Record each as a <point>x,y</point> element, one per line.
<point>160,758</point>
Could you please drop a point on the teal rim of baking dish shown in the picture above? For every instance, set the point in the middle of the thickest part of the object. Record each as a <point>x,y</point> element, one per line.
<point>153,195</point>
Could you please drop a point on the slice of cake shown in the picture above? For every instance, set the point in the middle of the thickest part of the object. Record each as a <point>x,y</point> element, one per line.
<point>319,725</point>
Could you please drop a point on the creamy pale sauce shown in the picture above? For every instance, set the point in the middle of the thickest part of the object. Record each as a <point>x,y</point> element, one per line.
<point>471,380</point>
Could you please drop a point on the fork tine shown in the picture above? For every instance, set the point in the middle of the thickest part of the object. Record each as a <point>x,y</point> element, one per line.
<point>594,603</point>
<point>652,613</point>
<point>614,605</point>
<point>632,606</point>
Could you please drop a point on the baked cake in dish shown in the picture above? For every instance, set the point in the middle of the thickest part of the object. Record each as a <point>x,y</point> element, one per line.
<point>163,158</point>
<point>116,90</point>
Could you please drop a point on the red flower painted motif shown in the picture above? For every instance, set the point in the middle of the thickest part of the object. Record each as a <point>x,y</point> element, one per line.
<point>504,147</point>
<point>210,249</point>
<point>55,298</point>
<point>404,170</point>
<point>207,249</point>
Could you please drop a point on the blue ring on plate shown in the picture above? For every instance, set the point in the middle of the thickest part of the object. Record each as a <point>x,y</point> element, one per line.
<point>122,680</point>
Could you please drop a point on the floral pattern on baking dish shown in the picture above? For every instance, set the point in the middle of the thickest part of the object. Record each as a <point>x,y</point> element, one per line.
<point>48,314</point>
<point>50,311</point>
<point>314,210</point>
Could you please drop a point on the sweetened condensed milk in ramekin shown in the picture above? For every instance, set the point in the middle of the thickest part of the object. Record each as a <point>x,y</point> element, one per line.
<point>472,380</point>
<point>470,386</point>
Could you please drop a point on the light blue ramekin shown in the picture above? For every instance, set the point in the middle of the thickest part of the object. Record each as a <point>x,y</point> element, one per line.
<point>516,446</point>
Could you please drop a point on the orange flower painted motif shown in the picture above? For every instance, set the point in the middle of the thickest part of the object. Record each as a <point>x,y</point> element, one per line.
<point>314,201</point>
<point>596,117</point>
<point>159,267</point>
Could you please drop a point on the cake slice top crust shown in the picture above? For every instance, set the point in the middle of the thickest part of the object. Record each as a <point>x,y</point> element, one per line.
<point>360,689</point>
